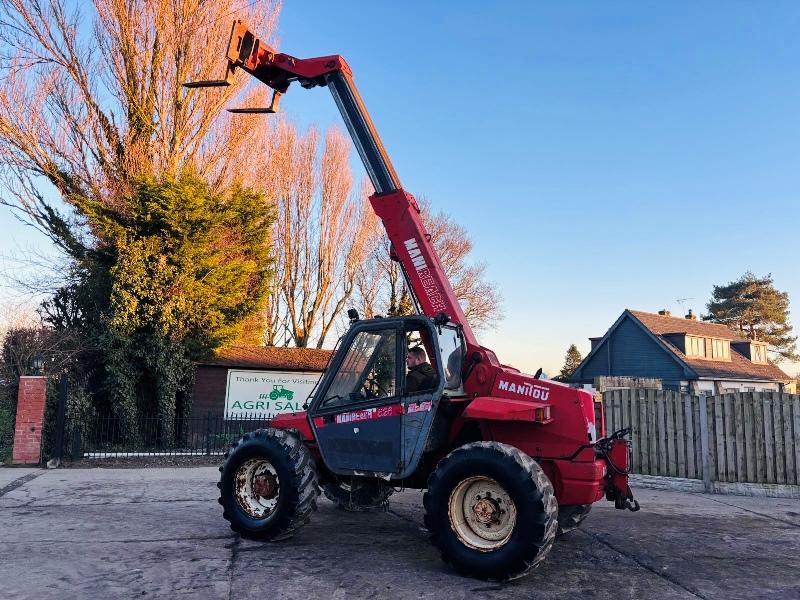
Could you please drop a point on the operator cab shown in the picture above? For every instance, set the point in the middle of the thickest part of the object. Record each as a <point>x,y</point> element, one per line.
<point>369,415</point>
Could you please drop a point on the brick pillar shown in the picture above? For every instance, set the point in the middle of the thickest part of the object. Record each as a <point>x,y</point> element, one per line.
<point>30,415</point>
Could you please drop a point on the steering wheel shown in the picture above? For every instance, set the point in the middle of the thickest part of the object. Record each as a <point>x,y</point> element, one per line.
<point>372,382</point>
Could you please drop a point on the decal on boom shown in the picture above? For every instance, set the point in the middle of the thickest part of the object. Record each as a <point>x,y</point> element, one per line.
<point>426,278</point>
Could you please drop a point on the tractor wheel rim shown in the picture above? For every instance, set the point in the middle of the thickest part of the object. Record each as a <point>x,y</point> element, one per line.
<point>482,514</point>
<point>257,488</point>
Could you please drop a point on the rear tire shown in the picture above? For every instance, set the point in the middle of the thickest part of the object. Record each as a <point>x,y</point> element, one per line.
<point>358,495</point>
<point>268,488</point>
<point>571,517</point>
<point>491,511</point>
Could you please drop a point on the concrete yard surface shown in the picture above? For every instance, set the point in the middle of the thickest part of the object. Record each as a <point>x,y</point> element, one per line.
<point>159,533</point>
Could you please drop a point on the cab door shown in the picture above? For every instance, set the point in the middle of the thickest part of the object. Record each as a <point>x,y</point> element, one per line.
<point>421,402</point>
<point>357,414</point>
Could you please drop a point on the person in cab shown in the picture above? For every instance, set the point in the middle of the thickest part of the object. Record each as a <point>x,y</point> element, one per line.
<point>420,376</point>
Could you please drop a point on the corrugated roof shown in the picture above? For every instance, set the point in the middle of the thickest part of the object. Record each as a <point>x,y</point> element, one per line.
<point>272,357</point>
<point>739,367</point>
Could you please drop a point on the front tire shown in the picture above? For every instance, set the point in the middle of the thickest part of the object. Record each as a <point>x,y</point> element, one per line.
<point>491,511</point>
<point>268,488</point>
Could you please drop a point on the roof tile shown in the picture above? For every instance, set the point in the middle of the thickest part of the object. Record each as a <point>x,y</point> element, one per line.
<point>272,357</point>
<point>739,367</point>
<point>663,325</point>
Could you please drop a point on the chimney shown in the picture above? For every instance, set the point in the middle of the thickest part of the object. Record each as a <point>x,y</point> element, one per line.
<point>665,313</point>
<point>691,316</point>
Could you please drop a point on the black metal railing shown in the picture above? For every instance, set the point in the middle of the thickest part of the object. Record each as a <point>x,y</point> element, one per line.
<point>110,437</point>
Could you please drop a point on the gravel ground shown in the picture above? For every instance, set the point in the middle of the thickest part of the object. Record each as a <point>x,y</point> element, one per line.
<point>158,532</point>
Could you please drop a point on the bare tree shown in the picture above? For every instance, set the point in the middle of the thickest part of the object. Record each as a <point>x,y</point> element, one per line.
<point>23,337</point>
<point>323,232</point>
<point>368,274</point>
<point>88,108</point>
<point>385,289</point>
<point>15,315</point>
<point>480,300</point>
<point>274,320</point>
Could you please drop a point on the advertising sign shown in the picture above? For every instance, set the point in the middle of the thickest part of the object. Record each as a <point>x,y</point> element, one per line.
<point>265,394</point>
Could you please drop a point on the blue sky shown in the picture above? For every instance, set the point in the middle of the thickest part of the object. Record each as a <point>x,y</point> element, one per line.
<point>602,155</point>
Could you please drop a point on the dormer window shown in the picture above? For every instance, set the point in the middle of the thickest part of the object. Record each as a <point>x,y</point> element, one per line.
<point>707,348</point>
<point>695,347</point>
<point>720,349</point>
<point>758,353</point>
<point>754,351</point>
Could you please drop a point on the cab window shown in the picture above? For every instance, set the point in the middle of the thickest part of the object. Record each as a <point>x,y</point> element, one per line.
<point>368,370</point>
<point>452,349</point>
<point>422,373</point>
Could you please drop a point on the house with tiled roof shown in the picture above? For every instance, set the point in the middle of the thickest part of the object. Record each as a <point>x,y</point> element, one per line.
<point>686,354</point>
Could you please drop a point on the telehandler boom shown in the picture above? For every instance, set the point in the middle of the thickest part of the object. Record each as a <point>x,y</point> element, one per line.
<point>508,459</point>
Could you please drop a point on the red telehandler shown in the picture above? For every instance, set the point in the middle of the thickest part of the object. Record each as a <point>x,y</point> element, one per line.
<point>508,460</point>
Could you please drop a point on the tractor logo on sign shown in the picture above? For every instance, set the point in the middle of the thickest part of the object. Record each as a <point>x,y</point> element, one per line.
<point>278,391</point>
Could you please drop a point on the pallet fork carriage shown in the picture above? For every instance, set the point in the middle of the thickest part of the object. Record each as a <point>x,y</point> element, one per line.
<point>508,459</point>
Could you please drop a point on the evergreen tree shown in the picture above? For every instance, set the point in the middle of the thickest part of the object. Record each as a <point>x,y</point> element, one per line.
<point>754,309</point>
<point>179,270</point>
<point>572,359</point>
<point>402,306</point>
<point>98,138</point>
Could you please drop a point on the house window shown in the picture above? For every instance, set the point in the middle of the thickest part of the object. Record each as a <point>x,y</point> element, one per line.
<point>720,349</point>
<point>759,354</point>
<point>696,347</point>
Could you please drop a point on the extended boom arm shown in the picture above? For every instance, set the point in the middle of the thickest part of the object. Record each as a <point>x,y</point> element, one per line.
<point>399,211</point>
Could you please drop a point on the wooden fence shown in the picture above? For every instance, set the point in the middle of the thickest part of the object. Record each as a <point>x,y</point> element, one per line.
<point>751,437</point>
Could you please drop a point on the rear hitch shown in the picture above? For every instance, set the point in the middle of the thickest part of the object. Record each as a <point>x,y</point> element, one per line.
<point>623,500</point>
<point>632,507</point>
<point>615,449</point>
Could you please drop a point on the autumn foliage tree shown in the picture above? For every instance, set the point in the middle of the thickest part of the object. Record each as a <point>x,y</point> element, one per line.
<point>332,251</point>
